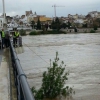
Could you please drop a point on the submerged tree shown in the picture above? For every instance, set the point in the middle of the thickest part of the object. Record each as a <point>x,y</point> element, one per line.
<point>53,82</point>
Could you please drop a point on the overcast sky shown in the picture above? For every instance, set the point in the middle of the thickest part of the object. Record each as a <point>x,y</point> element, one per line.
<point>44,7</point>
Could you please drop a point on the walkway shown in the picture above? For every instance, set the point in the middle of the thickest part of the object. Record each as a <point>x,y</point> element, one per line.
<point>4,76</point>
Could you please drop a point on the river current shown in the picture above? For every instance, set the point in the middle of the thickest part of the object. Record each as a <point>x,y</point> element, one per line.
<point>80,53</point>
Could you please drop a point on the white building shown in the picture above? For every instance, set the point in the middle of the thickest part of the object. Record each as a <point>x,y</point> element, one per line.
<point>70,16</point>
<point>93,14</point>
<point>80,21</point>
<point>16,17</point>
<point>28,18</point>
<point>12,24</point>
<point>76,16</point>
<point>81,16</point>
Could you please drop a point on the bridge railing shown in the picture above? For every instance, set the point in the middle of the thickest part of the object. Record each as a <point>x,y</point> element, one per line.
<point>23,89</point>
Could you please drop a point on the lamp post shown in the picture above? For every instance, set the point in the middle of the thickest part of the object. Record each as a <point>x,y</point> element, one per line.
<point>4,15</point>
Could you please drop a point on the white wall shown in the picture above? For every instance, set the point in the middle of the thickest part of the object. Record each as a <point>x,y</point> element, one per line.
<point>79,21</point>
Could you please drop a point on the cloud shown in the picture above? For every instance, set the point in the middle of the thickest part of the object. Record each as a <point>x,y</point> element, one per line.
<point>45,6</point>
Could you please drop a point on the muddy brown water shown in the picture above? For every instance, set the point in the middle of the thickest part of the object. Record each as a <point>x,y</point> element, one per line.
<point>80,53</point>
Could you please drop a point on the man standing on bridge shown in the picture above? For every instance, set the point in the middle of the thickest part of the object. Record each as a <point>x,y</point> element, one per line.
<point>3,38</point>
<point>15,37</point>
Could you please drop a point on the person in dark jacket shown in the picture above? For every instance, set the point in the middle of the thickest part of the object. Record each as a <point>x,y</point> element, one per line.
<point>3,38</point>
<point>7,36</point>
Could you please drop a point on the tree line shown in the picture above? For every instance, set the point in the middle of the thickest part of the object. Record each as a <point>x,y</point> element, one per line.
<point>57,24</point>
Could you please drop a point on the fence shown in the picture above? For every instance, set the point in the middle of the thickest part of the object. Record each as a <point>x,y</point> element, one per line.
<point>23,89</point>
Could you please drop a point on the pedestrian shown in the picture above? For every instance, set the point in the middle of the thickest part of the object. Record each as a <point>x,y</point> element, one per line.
<point>7,36</point>
<point>15,37</point>
<point>3,38</point>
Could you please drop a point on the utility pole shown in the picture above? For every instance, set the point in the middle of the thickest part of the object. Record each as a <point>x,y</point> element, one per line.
<point>55,9</point>
<point>4,18</point>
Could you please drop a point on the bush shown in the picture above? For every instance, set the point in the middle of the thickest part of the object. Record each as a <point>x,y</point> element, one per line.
<point>53,82</point>
<point>46,32</point>
<point>33,33</point>
<point>22,32</point>
<point>92,31</point>
<point>53,32</point>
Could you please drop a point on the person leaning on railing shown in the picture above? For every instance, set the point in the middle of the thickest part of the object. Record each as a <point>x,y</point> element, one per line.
<point>7,42</point>
<point>3,38</point>
<point>15,36</point>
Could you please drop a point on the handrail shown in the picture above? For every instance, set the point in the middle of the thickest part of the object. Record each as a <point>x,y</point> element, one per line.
<point>23,89</point>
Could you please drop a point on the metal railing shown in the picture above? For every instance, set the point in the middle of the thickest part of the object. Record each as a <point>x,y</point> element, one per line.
<point>23,89</point>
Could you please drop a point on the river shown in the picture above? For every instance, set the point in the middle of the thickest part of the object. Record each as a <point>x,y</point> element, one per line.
<point>80,53</point>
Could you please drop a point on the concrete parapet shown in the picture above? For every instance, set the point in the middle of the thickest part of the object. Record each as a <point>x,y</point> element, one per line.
<point>4,80</point>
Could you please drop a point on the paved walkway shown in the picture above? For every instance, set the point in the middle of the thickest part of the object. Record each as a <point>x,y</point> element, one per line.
<point>4,77</point>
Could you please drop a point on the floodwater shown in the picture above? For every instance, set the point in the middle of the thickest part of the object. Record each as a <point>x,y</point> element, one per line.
<point>80,53</point>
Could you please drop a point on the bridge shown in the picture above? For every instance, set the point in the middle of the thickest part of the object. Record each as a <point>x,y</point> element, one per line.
<point>13,81</point>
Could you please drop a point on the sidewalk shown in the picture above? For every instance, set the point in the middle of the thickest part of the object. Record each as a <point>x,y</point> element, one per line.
<point>4,77</point>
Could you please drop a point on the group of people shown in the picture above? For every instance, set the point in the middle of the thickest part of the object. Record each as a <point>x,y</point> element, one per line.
<point>5,36</point>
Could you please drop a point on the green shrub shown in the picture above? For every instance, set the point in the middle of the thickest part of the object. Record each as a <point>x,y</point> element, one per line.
<point>92,31</point>
<point>47,32</point>
<point>22,32</point>
<point>53,82</point>
<point>33,33</point>
<point>53,32</point>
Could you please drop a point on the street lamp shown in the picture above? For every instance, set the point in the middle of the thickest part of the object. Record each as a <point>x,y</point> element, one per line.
<point>4,20</point>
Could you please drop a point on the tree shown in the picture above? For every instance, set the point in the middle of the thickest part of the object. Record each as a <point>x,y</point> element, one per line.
<point>64,25</point>
<point>32,24</point>
<point>68,24</point>
<point>38,24</point>
<point>95,27</point>
<point>84,25</point>
<point>53,82</point>
<point>53,24</point>
<point>46,26</point>
<point>56,24</point>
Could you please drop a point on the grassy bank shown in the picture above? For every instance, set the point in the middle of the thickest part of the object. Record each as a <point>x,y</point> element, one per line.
<point>46,32</point>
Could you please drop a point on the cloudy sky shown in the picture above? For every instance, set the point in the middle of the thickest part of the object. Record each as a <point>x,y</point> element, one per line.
<point>44,7</point>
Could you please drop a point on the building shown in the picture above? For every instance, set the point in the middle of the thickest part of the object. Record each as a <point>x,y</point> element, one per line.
<point>9,19</point>
<point>64,19</point>
<point>43,19</point>
<point>29,16</point>
<point>93,14</point>
<point>12,24</point>
<point>98,15</point>
<point>27,13</point>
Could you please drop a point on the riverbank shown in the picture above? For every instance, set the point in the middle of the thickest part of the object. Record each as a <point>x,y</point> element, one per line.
<point>62,31</point>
